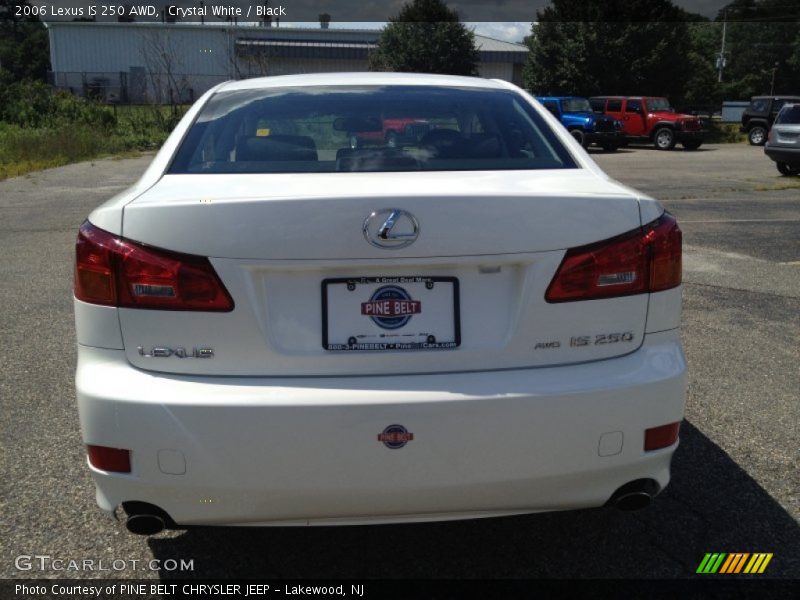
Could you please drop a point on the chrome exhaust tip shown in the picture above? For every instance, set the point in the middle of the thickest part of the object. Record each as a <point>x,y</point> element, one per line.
<point>145,524</point>
<point>633,501</point>
<point>144,518</point>
<point>635,495</point>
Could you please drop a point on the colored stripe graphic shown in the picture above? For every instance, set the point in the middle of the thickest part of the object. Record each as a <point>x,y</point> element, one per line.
<point>733,557</point>
<point>711,562</point>
<point>734,563</point>
<point>703,563</point>
<point>727,564</point>
<point>758,563</point>
<point>740,562</point>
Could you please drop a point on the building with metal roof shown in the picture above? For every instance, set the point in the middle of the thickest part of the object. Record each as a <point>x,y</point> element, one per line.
<point>162,62</point>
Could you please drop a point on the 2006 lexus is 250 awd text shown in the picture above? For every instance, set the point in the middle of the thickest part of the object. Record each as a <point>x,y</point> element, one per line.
<point>374,298</point>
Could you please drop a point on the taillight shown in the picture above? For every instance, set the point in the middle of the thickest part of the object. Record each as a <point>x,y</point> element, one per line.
<point>113,271</point>
<point>117,460</point>
<point>663,436</point>
<point>647,259</point>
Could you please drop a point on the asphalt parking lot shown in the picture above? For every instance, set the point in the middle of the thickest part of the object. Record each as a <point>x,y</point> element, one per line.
<point>735,476</point>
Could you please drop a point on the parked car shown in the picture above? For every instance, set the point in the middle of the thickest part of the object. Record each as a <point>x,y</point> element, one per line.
<point>390,131</point>
<point>651,119</point>
<point>281,329</point>
<point>757,118</point>
<point>783,144</point>
<point>584,125</point>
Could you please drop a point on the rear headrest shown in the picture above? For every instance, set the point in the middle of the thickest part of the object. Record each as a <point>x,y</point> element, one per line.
<point>276,148</point>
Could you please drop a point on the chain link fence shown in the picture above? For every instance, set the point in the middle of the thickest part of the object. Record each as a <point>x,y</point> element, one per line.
<point>135,86</point>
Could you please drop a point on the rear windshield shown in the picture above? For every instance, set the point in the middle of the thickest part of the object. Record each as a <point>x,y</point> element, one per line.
<point>374,128</point>
<point>758,105</point>
<point>789,115</point>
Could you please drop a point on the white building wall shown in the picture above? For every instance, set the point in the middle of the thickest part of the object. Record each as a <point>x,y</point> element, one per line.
<point>96,48</point>
<point>496,70</point>
<point>197,57</point>
<point>290,66</point>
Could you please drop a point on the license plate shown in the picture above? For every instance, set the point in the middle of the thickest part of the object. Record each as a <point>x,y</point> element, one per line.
<point>390,313</point>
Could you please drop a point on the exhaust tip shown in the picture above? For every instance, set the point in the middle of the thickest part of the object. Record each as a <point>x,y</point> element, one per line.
<point>634,501</point>
<point>146,519</point>
<point>145,524</point>
<point>635,495</point>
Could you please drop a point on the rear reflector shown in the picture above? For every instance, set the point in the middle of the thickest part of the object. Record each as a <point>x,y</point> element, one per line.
<point>661,437</point>
<point>113,271</point>
<point>647,259</point>
<point>104,458</point>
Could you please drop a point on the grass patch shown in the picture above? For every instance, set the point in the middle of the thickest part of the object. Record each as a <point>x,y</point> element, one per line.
<point>789,185</point>
<point>23,149</point>
<point>724,133</point>
<point>126,132</point>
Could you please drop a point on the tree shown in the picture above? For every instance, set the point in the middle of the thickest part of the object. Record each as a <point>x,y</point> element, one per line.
<point>762,39</point>
<point>426,37</point>
<point>582,48</point>
<point>24,47</point>
<point>702,87</point>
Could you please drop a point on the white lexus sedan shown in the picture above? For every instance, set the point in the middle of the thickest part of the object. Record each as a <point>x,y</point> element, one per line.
<point>375,298</point>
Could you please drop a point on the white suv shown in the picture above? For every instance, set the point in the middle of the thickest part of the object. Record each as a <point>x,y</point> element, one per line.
<point>277,328</point>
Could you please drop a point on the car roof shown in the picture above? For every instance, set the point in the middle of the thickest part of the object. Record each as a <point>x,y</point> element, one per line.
<point>336,79</point>
<point>777,97</point>
<point>623,97</point>
<point>561,97</point>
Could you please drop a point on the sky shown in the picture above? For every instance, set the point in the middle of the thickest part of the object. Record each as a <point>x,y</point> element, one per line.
<point>512,31</point>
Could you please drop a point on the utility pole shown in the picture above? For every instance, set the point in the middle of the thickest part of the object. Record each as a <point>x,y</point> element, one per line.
<point>772,85</point>
<point>721,61</point>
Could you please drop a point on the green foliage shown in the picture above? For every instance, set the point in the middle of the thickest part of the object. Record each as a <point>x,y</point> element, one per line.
<point>42,128</point>
<point>24,46</point>
<point>578,48</point>
<point>426,37</point>
<point>702,88</point>
<point>34,104</point>
<point>23,149</point>
<point>724,133</point>
<point>757,50</point>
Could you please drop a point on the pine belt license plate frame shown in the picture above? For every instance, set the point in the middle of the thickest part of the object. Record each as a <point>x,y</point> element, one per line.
<point>389,341</point>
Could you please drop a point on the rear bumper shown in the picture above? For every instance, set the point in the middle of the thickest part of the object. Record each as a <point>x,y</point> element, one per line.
<point>222,450</point>
<point>790,156</point>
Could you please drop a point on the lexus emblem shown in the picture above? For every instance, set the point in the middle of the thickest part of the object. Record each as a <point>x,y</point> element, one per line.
<point>391,228</point>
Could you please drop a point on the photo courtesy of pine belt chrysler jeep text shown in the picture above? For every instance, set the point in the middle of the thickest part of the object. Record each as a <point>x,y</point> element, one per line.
<point>277,325</point>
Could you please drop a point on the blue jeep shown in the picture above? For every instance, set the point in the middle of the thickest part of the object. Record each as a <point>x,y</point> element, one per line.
<point>585,126</point>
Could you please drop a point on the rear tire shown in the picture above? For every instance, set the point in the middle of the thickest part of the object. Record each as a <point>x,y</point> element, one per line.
<point>691,145</point>
<point>664,139</point>
<point>579,136</point>
<point>786,169</point>
<point>610,147</point>
<point>757,135</point>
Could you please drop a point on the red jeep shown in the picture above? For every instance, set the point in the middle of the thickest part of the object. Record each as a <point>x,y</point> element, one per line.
<point>646,118</point>
<point>392,131</point>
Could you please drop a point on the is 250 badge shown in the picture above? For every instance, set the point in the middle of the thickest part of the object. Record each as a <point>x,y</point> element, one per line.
<point>600,338</point>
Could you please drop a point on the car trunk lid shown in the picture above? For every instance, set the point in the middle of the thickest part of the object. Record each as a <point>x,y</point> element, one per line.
<point>306,283</point>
